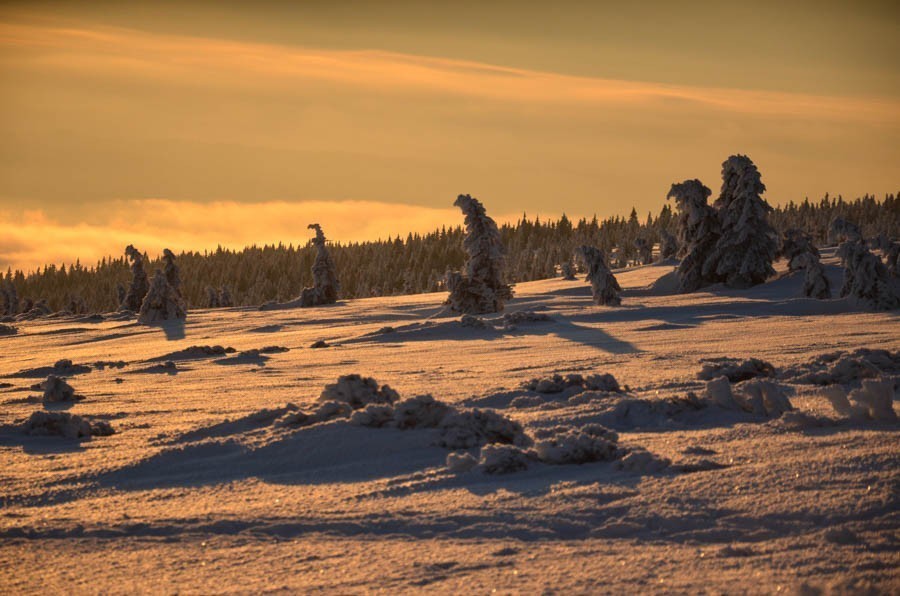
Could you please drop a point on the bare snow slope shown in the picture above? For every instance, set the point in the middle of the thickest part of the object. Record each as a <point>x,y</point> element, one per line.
<point>198,490</point>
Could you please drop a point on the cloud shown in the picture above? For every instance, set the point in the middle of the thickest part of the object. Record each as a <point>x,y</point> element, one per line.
<point>30,239</point>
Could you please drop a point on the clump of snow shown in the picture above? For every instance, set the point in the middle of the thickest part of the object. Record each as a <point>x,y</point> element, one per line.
<point>735,370</point>
<point>373,415</point>
<point>461,462</point>
<point>759,397</point>
<point>481,289</point>
<point>471,428</point>
<point>66,425</point>
<point>568,445</point>
<point>502,459</point>
<point>558,383</point>
<point>643,462</point>
<point>874,400</point>
<point>358,392</point>
<point>422,411</point>
<point>56,389</point>
<point>319,344</point>
<point>8,330</point>
<point>326,411</point>
<point>604,286</point>
<point>844,367</point>
<point>195,352</point>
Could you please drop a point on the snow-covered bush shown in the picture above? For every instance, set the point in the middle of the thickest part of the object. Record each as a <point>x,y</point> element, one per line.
<point>843,231</point>
<point>569,445</point>
<point>866,279</point>
<point>698,233</point>
<point>568,270</point>
<point>162,302</point>
<point>325,282</point>
<point>815,283</point>
<point>604,286</point>
<point>461,462</point>
<point>471,428</point>
<point>502,459</point>
<point>668,246</point>
<point>735,370</point>
<point>358,392</point>
<point>373,415</point>
<point>558,383</point>
<point>56,389</point>
<point>795,245</point>
<point>422,411</point>
<point>744,252</point>
<point>66,425</point>
<point>140,285</point>
<point>482,288</point>
<point>874,400</point>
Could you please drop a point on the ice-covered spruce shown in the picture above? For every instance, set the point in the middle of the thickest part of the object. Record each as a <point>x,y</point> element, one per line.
<point>668,246</point>
<point>842,231</point>
<point>795,245</point>
<point>66,425</point>
<point>815,283</point>
<point>604,286</point>
<point>173,275</point>
<point>645,250</point>
<point>698,233</point>
<point>747,245</point>
<point>866,279</point>
<point>9,297</point>
<point>140,285</point>
<point>325,282</point>
<point>481,289</point>
<point>162,302</point>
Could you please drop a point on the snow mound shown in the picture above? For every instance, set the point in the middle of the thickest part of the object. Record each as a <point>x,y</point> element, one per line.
<point>762,398</point>
<point>8,330</point>
<point>874,400</point>
<point>56,389</point>
<point>65,425</point>
<point>567,445</point>
<point>252,421</point>
<point>642,461</point>
<point>844,367</point>
<point>461,462</point>
<point>358,392</point>
<point>422,411</point>
<point>319,344</point>
<point>630,413</point>
<point>472,428</point>
<point>326,411</point>
<point>502,459</point>
<point>558,383</point>
<point>735,369</point>
<point>373,415</point>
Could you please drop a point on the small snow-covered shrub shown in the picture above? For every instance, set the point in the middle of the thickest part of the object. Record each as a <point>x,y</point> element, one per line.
<point>56,389</point>
<point>422,411</point>
<point>642,461</point>
<point>358,392</point>
<point>460,462</point>
<point>8,330</point>
<point>66,425</point>
<point>163,302</point>
<point>473,322</point>
<point>567,269</point>
<point>502,459</point>
<point>568,445</point>
<point>471,428</point>
<point>604,286</point>
<point>525,316</point>
<point>866,279</point>
<point>736,370</point>
<point>373,415</point>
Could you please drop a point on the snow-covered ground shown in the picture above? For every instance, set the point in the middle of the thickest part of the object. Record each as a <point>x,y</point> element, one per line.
<point>199,490</point>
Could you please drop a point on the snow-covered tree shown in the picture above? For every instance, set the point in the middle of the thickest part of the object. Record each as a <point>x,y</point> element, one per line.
<point>892,259</point>
<point>794,244</point>
<point>325,282</point>
<point>604,286</point>
<point>668,245</point>
<point>568,270</point>
<point>815,284</point>
<point>747,245</point>
<point>162,302</point>
<point>698,232</point>
<point>225,300</point>
<point>212,297</point>
<point>644,250</point>
<point>134,298</point>
<point>866,279</point>
<point>173,276</point>
<point>843,231</point>
<point>481,289</point>
<point>10,298</point>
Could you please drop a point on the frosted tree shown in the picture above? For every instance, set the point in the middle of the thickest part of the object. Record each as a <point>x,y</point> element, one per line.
<point>10,297</point>
<point>604,286</point>
<point>866,279</point>
<point>843,231</point>
<point>698,232</point>
<point>644,250</point>
<point>815,284</point>
<point>173,276</point>
<point>212,297</point>
<point>668,246</point>
<point>225,300</point>
<point>134,298</point>
<point>892,259</point>
<point>163,302</point>
<point>325,282</point>
<point>747,245</point>
<point>568,270</point>
<point>794,244</point>
<point>121,292</point>
<point>481,289</point>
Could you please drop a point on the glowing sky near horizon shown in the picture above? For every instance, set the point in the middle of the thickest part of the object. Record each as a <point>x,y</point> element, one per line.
<point>243,122</point>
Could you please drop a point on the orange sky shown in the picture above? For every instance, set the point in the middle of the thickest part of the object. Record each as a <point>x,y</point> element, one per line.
<point>243,124</point>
